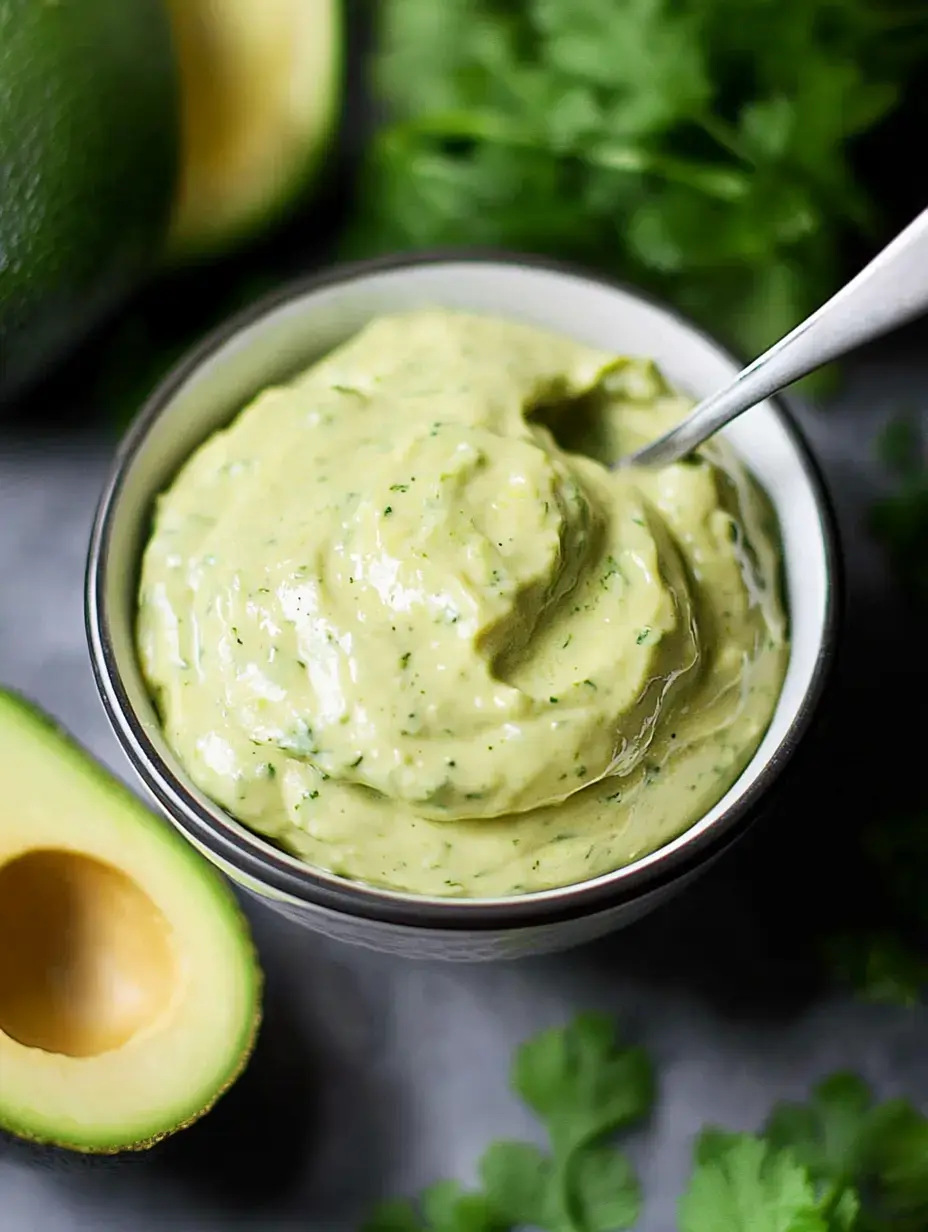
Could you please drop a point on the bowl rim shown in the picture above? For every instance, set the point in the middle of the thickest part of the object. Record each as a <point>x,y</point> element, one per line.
<point>303,884</point>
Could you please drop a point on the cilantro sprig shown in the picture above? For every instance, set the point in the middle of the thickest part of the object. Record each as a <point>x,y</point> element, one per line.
<point>839,1162</point>
<point>743,1184</point>
<point>584,1086</point>
<point>700,147</point>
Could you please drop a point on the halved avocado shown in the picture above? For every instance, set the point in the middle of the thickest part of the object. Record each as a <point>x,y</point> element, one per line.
<point>129,987</point>
<point>261,82</point>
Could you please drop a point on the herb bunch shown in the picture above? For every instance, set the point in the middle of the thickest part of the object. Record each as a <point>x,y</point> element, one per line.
<point>697,147</point>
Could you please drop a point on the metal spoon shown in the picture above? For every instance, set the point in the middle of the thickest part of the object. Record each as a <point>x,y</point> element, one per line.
<point>889,291</point>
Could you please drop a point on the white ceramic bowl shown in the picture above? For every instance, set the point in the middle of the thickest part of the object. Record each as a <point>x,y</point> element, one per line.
<point>284,333</point>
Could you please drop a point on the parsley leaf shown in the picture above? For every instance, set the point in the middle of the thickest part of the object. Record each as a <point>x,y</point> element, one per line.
<point>523,1184</point>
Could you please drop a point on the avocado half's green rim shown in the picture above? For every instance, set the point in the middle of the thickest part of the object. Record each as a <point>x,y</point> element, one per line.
<point>284,877</point>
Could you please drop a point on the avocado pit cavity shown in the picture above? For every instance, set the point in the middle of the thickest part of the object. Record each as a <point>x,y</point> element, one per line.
<point>86,957</point>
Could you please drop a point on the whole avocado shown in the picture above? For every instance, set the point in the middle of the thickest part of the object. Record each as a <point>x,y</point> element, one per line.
<point>89,140</point>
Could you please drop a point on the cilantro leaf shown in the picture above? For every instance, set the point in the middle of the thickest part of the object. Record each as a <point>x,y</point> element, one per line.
<point>581,1083</point>
<point>449,1209</point>
<point>743,1184</point>
<point>888,963</point>
<point>830,1135</point>
<point>850,1146</point>
<point>843,1215</point>
<point>882,967</point>
<point>595,1189</point>
<point>898,1165</point>
<point>837,1163</point>
<point>606,1193</point>
<point>584,1086</point>
<point>631,51</point>
<point>520,1182</point>
<point>714,1144</point>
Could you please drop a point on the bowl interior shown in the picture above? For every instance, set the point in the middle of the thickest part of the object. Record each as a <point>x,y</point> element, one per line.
<point>271,346</point>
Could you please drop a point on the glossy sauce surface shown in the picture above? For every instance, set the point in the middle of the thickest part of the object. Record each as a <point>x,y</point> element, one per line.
<point>400,618</point>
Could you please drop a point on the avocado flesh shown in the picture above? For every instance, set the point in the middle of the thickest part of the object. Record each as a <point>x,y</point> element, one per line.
<point>129,987</point>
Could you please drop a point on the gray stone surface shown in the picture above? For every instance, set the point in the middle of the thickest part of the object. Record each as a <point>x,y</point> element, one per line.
<point>375,1076</point>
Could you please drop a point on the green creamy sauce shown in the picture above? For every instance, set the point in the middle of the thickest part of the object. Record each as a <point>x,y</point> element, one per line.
<point>400,618</point>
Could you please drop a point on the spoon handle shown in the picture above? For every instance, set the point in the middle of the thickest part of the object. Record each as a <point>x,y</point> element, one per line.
<point>889,291</point>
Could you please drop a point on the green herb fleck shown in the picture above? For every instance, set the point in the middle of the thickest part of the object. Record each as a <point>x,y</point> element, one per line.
<point>613,569</point>
<point>299,741</point>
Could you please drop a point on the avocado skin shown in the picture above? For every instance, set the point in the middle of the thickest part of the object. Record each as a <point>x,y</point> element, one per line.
<point>89,152</point>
